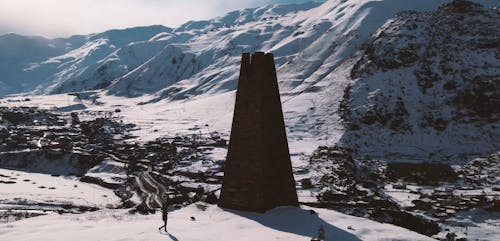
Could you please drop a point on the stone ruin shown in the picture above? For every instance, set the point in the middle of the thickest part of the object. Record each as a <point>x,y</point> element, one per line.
<point>258,172</point>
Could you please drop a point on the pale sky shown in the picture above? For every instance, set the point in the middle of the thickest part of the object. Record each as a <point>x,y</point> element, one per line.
<point>60,18</point>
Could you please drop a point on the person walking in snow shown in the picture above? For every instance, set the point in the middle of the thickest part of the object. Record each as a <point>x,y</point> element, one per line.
<point>164,213</point>
<point>321,233</point>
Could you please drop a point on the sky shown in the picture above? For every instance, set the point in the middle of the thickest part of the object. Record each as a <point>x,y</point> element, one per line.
<point>61,18</point>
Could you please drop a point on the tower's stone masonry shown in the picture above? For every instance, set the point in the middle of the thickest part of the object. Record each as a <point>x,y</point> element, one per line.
<point>258,172</point>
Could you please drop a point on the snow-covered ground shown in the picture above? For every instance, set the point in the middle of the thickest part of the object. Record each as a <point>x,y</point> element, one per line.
<point>169,118</point>
<point>43,188</point>
<point>213,223</point>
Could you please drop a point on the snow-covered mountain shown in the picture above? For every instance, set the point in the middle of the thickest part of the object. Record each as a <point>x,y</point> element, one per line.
<point>428,85</point>
<point>309,40</point>
<point>93,61</point>
<point>34,63</point>
<point>320,49</point>
<point>17,53</point>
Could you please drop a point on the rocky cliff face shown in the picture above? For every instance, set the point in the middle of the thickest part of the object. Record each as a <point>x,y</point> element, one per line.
<point>427,84</point>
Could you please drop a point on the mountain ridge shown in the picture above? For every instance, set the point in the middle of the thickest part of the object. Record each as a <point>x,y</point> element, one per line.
<point>50,79</point>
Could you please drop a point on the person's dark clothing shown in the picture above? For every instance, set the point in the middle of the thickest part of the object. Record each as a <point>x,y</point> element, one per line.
<point>164,212</point>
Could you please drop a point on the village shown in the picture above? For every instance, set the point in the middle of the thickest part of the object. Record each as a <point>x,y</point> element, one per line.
<point>420,197</point>
<point>54,143</point>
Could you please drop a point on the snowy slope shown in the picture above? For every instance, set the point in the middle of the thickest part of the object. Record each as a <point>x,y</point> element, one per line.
<point>94,63</point>
<point>40,188</point>
<point>18,52</point>
<point>33,63</point>
<point>428,86</point>
<point>213,223</point>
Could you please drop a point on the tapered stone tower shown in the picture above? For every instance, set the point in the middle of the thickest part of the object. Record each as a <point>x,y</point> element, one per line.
<point>258,172</point>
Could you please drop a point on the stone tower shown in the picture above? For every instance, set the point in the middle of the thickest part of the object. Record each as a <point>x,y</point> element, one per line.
<point>258,172</point>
